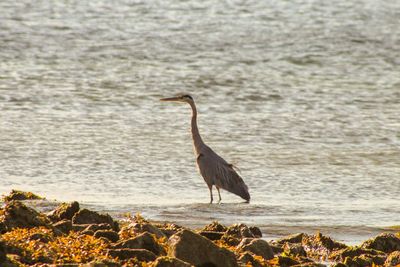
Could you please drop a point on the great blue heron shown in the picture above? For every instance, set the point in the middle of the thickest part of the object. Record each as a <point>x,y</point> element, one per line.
<point>214,169</point>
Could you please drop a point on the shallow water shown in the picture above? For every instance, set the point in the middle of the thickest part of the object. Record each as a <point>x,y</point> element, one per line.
<point>304,96</point>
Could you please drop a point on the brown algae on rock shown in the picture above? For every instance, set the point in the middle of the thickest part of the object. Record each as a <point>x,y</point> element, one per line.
<point>70,236</point>
<point>20,195</point>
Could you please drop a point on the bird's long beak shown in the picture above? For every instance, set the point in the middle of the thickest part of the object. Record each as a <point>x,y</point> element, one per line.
<point>170,99</point>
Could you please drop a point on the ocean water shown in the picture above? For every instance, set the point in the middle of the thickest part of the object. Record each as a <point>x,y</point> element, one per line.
<point>303,96</point>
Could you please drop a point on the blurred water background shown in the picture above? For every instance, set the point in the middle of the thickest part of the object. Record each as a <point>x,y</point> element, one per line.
<point>302,95</point>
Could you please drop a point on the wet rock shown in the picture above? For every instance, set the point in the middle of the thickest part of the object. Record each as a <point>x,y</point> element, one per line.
<point>3,255</point>
<point>147,227</point>
<point>88,232</point>
<point>256,246</point>
<point>276,249</point>
<point>128,253</point>
<point>320,246</point>
<point>64,226</point>
<point>235,233</point>
<point>97,227</point>
<point>215,227</point>
<point>16,214</point>
<point>103,263</point>
<point>352,252</point>
<point>211,235</point>
<point>294,249</point>
<point>65,211</point>
<point>85,216</point>
<point>384,242</point>
<point>108,234</point>
<point>295,238</point>
<point>393,259</point>
<point>285,261</point>
<point>247,259</point>
<point>197,250</point>
<point>142,241</point>
<point>169,229</point>
<point>318,241</point>
<point>20,195</point>
<point>240,231</point>
<point>169,262</point>
<point>363,261</point>
<point>310,264</point>
<point>255,231</point>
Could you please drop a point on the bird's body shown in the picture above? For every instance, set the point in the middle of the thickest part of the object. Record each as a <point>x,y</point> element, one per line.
<point>214,169</point>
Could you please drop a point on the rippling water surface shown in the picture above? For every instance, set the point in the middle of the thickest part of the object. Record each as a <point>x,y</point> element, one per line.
<point>304,96</point>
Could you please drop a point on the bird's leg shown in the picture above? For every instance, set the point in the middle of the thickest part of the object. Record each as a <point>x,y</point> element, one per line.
<point>211,195</point>
<point>219,195</point>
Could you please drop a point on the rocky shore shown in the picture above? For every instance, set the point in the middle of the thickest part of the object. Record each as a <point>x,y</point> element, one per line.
<point>74,236</point>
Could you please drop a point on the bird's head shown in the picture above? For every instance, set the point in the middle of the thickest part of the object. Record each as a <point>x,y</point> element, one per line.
<point>180,98</point>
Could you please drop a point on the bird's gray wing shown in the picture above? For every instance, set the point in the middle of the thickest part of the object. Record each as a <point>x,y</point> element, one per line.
<point>217,171</point>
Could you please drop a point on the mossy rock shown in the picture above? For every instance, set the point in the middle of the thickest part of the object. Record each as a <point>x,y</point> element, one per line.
<point>20,195</point>
<point>256,246</point>
<point>18,215</point>
<point>169,262</point>
<point>199,251</point>
<point>142,241</point>
<point>393,259</point>
<point>64,211</point>
<point>215,226</point>
<point>385,242</point>
<point>351,252</point>
<point>85,216</point>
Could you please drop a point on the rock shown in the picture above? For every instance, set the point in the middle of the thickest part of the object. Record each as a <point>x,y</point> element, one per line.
<point>255,231</point>
<point>295,238</point>
<point>128,253</point>
<point>65,211</point>
<point>108,234</point>
<point>321,242</point>
<point>142,228</point>
<point>211,235</point>
<point>199,251</point>
<point>20,195</point>
<point>338,264</point>
<point>85,216</point>
<point>97,227</point>
<point>256,246</point>
<point>357,262</point>
<point>3,254</point>
<point>309,264</point>
<point>17,215</point>
<point>240,231</point>
<point>64,226</point>
<point>235,233</point>
<point>88,232</point>
<point>103,263</point>
<point>294,249</point>
<point>142,241</point>
<point>215,227</point>
<point>393,259</point>
<point>276,249</point>
<point>169,262</point>
<point>247,259</point>
<point>352,252</point>
<point>285,261</point>
<point>384,242</point>
<point>168,229</point>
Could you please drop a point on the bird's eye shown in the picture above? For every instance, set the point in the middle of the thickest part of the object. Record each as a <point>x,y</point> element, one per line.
<point>187,96</point>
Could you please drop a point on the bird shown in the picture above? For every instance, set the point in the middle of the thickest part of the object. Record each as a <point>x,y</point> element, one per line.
<point>214,169</point>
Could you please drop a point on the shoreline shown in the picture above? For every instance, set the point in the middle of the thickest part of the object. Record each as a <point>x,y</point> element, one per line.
<point>71,235</point>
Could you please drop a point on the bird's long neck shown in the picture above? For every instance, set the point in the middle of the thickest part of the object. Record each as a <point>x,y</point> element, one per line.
<point>198,142</point>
